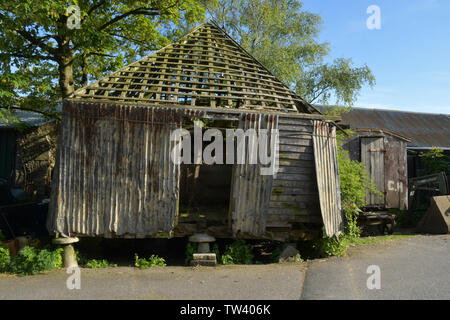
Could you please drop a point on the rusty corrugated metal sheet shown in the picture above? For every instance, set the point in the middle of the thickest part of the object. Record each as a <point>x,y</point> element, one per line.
<point>327,172</point>
<point>426,130</point>
<point>250,189</point>
<point>114,174</point>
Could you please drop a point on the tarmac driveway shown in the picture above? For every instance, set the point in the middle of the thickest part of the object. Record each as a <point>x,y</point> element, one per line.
<point>255,282</point>
<point>415,268</point>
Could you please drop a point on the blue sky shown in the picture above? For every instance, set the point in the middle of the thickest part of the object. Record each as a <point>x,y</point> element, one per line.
<point>409,55</point>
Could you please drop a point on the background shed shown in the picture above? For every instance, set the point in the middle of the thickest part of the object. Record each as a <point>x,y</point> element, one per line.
<point>27,152</point>
<point>383,153</point>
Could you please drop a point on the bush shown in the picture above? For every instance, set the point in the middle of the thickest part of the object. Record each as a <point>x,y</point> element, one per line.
<point>332,246</point>
<point>153,261</point>
<point>435,161</point>
<point>31,260</point>
<point>4,260</point>
<point>96,264</point>
<point>237,253</point>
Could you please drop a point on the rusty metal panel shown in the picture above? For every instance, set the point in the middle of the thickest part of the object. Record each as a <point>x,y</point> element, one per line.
<point>250,189</point>
<point>114,173</point>
<point>372,156</point>
<point>327,172</point>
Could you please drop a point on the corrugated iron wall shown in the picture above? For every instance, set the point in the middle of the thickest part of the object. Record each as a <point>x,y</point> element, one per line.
<point>115,176</point>
<point>327,171</point>
<point>250,190</point>
<point>294,198</point>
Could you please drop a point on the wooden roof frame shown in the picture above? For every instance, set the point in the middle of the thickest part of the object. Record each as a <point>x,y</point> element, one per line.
<point>207,69</point>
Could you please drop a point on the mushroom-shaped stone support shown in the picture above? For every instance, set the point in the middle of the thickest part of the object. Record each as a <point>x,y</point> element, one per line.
<point>203,241</point>
<point>70,259</point>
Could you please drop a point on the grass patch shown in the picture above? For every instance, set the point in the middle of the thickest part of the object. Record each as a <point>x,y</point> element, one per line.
<point>379,239</point>
<point>98,264</point>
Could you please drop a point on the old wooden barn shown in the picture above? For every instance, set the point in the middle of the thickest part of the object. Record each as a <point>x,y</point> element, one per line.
<point>115,177</point>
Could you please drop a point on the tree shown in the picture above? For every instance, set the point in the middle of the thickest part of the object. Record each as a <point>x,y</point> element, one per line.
<point>48,48</point>
<point>283,38</point>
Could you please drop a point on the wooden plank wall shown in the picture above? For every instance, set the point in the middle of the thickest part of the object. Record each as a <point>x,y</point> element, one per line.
<point>295,197</point>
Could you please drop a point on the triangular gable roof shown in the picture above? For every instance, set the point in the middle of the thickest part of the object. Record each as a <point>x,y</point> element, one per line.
<point>205,68</point>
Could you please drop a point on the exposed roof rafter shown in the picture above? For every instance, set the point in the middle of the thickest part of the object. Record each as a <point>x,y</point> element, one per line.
<point>205,68</point>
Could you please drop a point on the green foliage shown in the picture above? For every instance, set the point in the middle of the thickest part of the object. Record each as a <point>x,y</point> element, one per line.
<point>284,38</point>
<point>43,58</point>
<point>81,259</point>
<point>352,231</point>
<point>333,246</point>
<point>215,250</point>
<point>435,161</point>
<point>4,260</point>
<point>237,253</point>
<point>96,264</point>
<point>153,261</point>
<point>191,248</point>
<point>275,254</point>
<point>354,179</point>
<point>340,79</point>
<point>31,260</point>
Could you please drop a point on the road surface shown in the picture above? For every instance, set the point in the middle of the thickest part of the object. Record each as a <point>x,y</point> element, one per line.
<point>415,268</point>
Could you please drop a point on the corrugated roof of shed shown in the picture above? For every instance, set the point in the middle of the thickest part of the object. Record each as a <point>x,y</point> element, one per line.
<point>32,119</point>
<point>426,130</point>
<point>205,68</point>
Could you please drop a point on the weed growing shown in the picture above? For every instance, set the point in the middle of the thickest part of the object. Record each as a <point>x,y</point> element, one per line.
<point>152,261</point>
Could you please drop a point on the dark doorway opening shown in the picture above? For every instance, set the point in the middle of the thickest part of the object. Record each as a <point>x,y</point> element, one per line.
<point>205,188</point>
